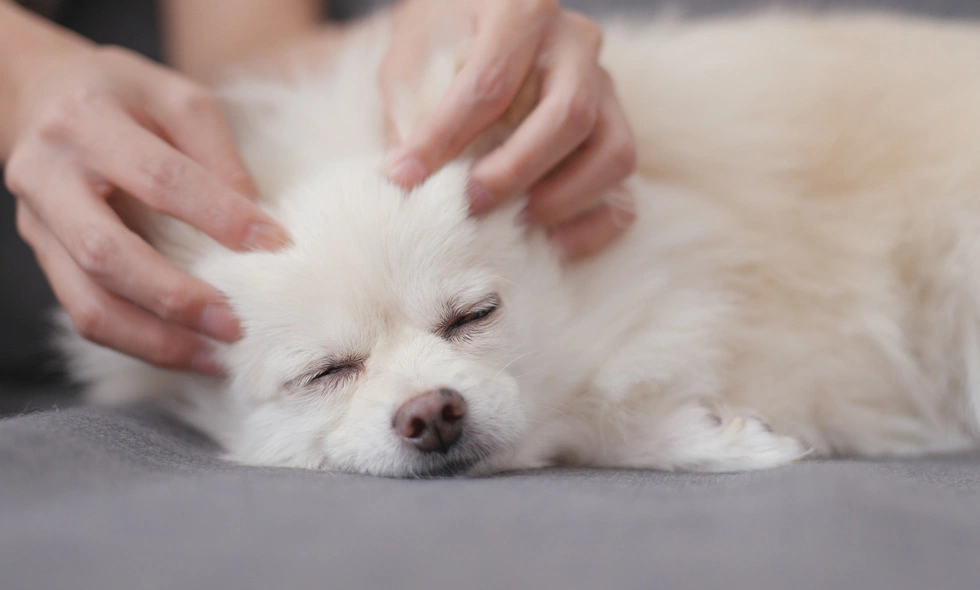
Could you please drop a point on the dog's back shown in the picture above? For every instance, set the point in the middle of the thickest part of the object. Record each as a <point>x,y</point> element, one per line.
<point>847,150</point>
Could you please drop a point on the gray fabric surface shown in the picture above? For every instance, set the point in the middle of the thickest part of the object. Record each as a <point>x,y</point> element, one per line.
<point>100,499</point>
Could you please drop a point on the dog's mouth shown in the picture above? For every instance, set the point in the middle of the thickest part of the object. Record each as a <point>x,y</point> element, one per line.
<point>451,468</point>
<point>459,461</point>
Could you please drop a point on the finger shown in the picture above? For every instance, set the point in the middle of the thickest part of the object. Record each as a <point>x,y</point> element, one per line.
<point>606,159</point>
<point>196,123</point>
<point>594,230</point>
<point>151,170</point>
<point>108,320</point>
<point>564,118</point>
<point>392,137</point>
<point>507,42</point>
<point>403,65</point>
<point>124,264</point>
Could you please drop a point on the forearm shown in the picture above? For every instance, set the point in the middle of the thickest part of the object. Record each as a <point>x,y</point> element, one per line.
<point>27,44</point>
<point>201,36</point>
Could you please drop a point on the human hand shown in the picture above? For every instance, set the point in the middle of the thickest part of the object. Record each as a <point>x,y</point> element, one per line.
<point>87,122</point>
<point>570,155</point>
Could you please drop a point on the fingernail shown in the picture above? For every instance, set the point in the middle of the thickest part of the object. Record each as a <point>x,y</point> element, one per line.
<point>205,362</point>
<point>406,171</point>
<point>265,236</point>
<point>480,198</point>
<point>218,321</point>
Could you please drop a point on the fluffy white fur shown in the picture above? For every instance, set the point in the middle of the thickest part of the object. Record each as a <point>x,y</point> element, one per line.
<point>804,274</point>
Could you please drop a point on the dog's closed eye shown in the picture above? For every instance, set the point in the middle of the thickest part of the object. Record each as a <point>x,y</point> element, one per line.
<point>459,322</point>
<point>337,371</point>
<point>330,373</point>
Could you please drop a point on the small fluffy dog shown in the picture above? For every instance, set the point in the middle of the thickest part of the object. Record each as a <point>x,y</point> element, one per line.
<point>803,277</point>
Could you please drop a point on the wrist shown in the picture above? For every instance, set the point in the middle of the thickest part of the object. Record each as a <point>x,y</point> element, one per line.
<point>29,46</point>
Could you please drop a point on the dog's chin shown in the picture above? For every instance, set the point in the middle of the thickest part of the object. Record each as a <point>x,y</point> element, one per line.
<point>462,460</point>
<point>448,468</point>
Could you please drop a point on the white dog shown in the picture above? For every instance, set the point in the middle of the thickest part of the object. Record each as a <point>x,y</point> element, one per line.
<point>803,277</point>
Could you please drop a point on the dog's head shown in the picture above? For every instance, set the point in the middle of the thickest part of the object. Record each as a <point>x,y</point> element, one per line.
<point>379,341</point>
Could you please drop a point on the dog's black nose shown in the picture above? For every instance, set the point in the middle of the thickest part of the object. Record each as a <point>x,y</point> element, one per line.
<point>433,420</point>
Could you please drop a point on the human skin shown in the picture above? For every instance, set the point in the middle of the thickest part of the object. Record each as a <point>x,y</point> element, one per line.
<point>81,124</point>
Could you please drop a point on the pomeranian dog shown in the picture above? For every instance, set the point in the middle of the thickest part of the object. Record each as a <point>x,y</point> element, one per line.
<point>803,277</point>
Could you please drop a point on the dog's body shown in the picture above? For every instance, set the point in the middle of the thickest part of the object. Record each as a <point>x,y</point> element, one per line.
<point>805,258</point>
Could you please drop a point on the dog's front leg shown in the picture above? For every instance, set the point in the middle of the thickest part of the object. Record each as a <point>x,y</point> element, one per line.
<point>708,436</point>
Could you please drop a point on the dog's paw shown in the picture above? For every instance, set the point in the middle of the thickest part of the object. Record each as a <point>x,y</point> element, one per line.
<point>697,437</point>
<point>746,442</point>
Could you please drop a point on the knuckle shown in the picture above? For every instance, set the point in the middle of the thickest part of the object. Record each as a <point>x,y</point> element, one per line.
<point>96,252</point>
<point>227,204</point>
<point>16,174</point>
<point>239,178</point>
<point>511,173</point>
<point>543,7</point>
<point>586,30</point>
<point>492,86</point>
<point>225,220</point>
<point>160,356</point>
<point>163,350</point>
<point>198,102</point>
<point>161,179</point>
<point>578,114</point>
<point>62,117</point>
<point>623,156</point>
<point>59,120</point>
<point>87,317</point>
<point>172,301</point>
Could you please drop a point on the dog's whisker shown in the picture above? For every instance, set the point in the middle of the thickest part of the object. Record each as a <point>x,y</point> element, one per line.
<point>560,407</point>
<point>506,280</point>
<point>517,358</point>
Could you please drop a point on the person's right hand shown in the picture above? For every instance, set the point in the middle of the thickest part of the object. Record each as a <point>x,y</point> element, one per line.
<point>88,121</point>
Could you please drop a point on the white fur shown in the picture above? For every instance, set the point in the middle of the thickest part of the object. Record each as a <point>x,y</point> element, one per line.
<point>806,259</point>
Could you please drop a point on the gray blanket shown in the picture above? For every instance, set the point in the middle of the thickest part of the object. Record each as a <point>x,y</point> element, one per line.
<point>92,498</point>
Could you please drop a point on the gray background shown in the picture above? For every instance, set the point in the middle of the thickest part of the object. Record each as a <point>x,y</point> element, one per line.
<point>95,498</point>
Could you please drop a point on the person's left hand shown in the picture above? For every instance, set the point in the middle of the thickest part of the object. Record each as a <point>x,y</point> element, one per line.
<point>570,155</point>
